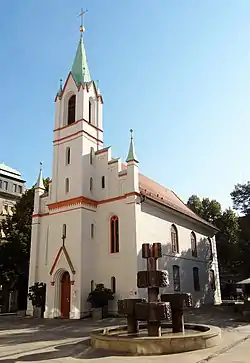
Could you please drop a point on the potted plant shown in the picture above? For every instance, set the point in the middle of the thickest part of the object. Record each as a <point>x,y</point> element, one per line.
<point>99,298</point>
<point>37,293</point>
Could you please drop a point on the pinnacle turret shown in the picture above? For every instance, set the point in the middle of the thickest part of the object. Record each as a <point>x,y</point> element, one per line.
<point>39,183</point>
<point>131,152</point>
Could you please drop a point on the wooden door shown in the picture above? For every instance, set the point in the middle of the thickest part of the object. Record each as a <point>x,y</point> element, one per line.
<point>65,295</point>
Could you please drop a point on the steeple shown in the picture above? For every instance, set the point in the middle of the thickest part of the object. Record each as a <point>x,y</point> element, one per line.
<point>39,183</point>
<point>131,152</point>
<point>80,69</point>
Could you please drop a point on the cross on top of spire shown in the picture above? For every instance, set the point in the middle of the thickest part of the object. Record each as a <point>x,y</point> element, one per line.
<point>82,13</point>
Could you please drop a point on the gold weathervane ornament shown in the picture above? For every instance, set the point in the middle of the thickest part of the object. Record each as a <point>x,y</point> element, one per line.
<point>82,13</point>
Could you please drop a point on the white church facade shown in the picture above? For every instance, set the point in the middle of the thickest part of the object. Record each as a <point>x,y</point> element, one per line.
<point>90,226</point>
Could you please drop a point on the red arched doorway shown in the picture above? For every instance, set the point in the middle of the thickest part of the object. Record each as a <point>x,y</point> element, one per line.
<point>65,295</point>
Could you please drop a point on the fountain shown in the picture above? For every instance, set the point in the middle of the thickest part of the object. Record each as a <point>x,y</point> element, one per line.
<point>155,336</point>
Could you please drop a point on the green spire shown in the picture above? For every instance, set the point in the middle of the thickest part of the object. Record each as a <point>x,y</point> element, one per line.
<point>131,152</point>
<point>39,183</point>
<point>59,93</point>
<point>80,69</point>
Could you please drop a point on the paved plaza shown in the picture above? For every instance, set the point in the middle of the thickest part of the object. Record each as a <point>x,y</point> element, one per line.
<point>32,340</point>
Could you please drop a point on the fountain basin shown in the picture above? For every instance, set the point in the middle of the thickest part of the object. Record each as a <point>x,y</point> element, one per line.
<point>116,339</point>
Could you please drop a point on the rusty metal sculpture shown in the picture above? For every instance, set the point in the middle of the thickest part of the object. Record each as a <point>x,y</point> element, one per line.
<point>153,311</point>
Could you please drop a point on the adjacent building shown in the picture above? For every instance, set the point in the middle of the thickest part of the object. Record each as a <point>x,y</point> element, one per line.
<point>90,226</point>
<point>11,189</point>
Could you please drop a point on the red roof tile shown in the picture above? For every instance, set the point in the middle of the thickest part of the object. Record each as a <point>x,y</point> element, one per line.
<point>167,197</point>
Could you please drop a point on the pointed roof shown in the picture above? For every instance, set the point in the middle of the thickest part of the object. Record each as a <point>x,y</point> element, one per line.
<point>131,152</point>
<point>39,183</point>
<point>80,69</point>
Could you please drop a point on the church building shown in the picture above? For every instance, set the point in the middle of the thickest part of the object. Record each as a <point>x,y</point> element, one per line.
<point>90,226</point>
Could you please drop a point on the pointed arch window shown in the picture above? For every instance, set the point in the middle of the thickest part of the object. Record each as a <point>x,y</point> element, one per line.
<point>92,230</point>
<point>67,185</point>
<point>72,110</point>
<point>113,284</point>
<point>174,239</point>
<point>64,230</point>
<point>196,279</point>
<point>90,111</point>
<point>103,182</point>
<point>91,155</point>
<point>114,234</point>
<point>67,155</point>
<point>91,183</point>
<point>193,244</point>
<point>176,278</point>
<point>210,251</point>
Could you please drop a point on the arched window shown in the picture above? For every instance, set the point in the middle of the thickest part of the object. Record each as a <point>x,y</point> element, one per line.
<point>114,234</point>
<point>68,156</point>
<point>72,110</point>
<point>67,185</point>
<point>91,183</point>
<point>103,182</point>
<point>64,230</point>
<point>92,230</point>
<point>210,251</point>
<point>196,279</point>
<point>113,284</point>
<point>174,239</point>
<point>91,155</point>
<point>90,111</point>
<point>193,244</point>
<point>176,278</point>
<point>92,285</point>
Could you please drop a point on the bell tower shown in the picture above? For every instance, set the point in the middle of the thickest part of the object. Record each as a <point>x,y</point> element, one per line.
<point>78,131</point>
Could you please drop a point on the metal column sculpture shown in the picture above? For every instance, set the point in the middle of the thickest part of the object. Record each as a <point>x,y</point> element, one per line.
<point>154,310</point>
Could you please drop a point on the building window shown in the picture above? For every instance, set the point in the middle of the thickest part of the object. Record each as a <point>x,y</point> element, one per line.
<point>67,155</point>
<point>174,239</point>
<point>193,244</point>
<point>176,278</point>
<point>196,279</point>
<point>1,184</point>
<point>6,185</point>
<point>103,182</point>
<point>14,188</point>
<point>90,112</point>
<point>91,155</point>
<point>210,252</point>
<point>67,185</point>
<point>114,234</point>
<point>92,285</point>
<point>72,110</point>
<point>64,230</point>
<point>113,284</point>
<point>20,189</point>
<point>91,183</point>
<point>92,230</point>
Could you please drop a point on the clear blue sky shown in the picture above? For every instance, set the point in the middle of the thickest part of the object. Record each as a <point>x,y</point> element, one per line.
<point>177,72</point>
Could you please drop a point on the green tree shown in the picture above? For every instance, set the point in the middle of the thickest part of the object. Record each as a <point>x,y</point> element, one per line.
<point>228,247</point>
<point>15,242</point>
<point>195,204</point>
<point>210,210</point>
<point>241,198</point>
<point>227,239</point>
